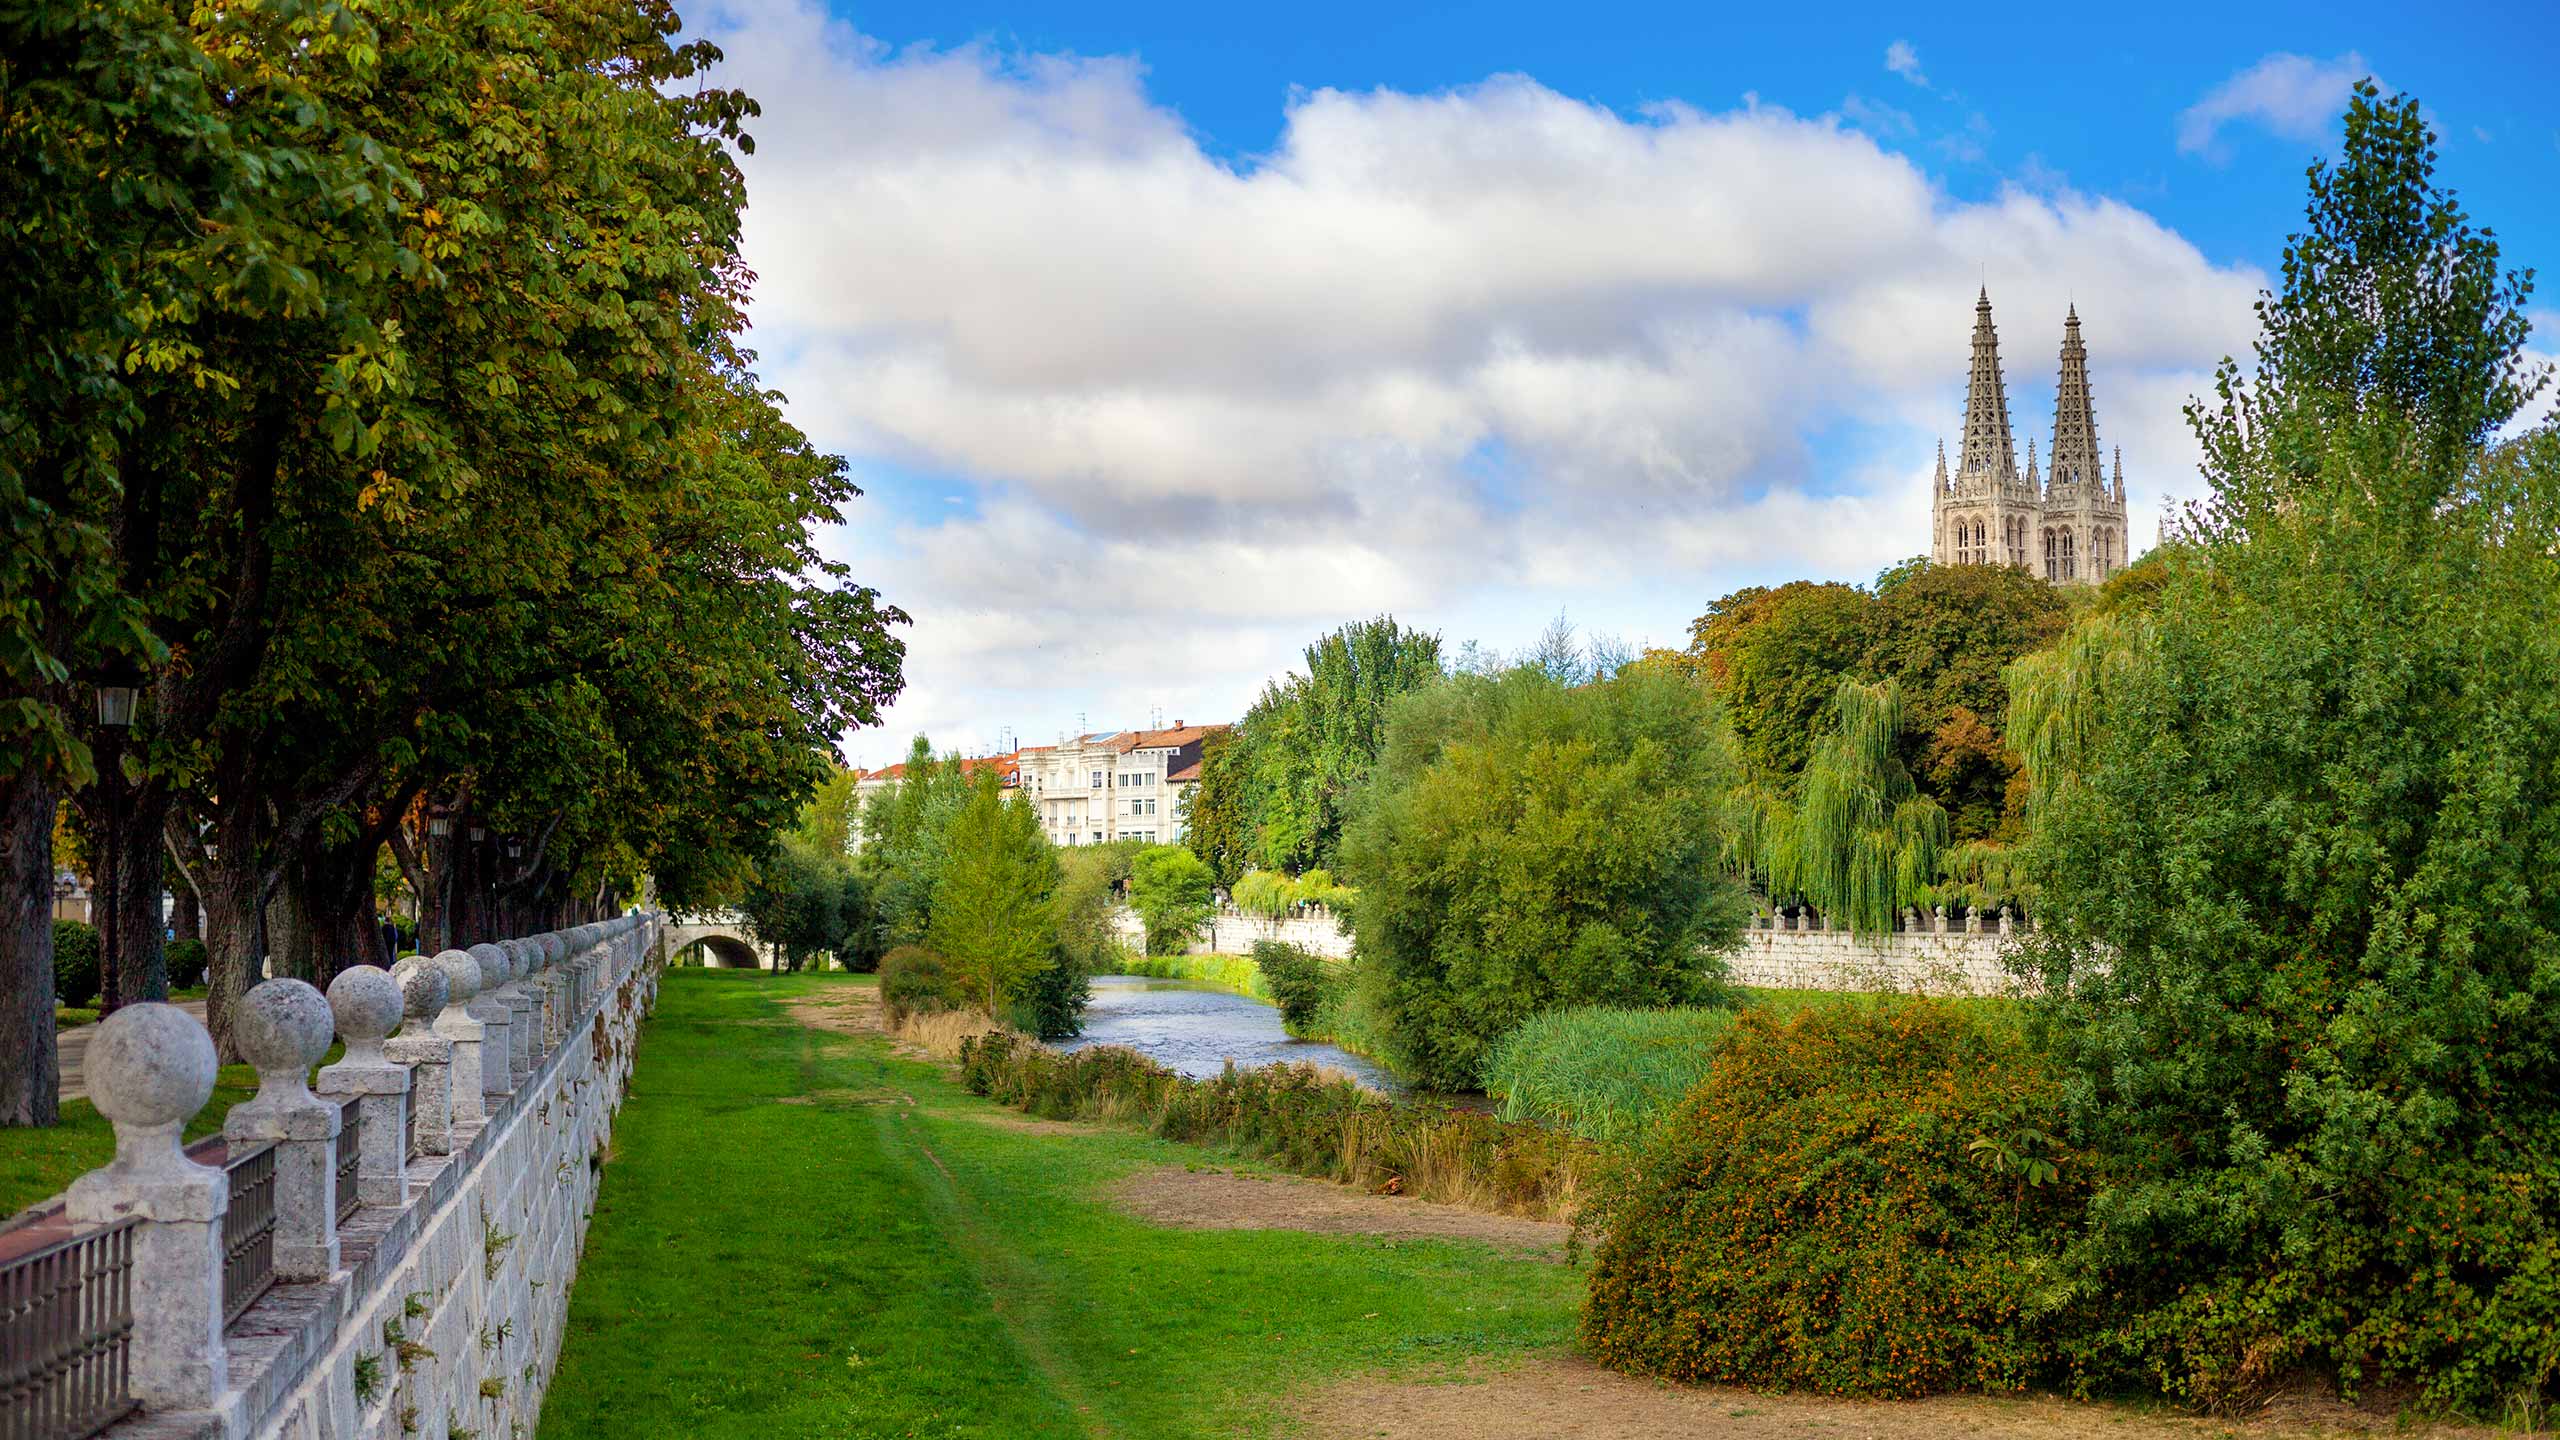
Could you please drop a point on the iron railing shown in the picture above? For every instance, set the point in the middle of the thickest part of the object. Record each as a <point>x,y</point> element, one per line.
<point>248,1230</point>
<point>350,1155</point>
<point>66,1329</point>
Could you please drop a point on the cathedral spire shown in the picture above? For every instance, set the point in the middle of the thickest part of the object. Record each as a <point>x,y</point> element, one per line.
<point>2077,468</point>
<point>1942,466</point>
<point>1989,453</point>
<point>2031,478</point>
<point>1942,460</point>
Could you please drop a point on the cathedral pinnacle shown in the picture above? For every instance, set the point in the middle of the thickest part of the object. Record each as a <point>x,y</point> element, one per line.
<point>1988,457</point>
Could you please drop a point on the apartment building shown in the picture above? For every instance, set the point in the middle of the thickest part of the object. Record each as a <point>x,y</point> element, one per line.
<point>872,782</point>
<point>1114,784</point>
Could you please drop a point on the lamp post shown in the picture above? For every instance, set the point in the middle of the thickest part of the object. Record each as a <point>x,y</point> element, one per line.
<point>117,690</point>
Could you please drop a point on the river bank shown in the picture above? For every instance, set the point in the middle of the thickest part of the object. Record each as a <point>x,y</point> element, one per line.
<point>804,1232</point>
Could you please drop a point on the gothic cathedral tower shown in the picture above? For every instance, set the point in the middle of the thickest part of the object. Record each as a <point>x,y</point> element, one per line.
<point>2066,523</point>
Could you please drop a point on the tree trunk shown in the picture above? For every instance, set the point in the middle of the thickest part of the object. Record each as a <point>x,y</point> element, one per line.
<point>234,940</point>
<point>333,885</point>
<point>291,946</point>
<point>186,912</point>
<point>30,1074</point>
<point>137,961</point>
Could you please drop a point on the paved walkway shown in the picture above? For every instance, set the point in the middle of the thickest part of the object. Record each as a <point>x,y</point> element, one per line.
<point>73,1046</point>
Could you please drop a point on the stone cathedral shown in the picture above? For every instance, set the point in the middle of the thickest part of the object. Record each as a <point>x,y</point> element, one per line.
<point>2064,522</point>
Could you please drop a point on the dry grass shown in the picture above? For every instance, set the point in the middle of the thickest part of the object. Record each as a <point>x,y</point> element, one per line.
<point>940,1034</point>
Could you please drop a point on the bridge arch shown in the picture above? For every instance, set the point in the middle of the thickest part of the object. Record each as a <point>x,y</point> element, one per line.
<point>722,939</point>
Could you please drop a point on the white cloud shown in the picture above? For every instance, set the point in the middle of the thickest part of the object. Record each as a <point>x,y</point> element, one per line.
<point>1490,351</point>
<point>2294,96</point>
<point>1904,61</point>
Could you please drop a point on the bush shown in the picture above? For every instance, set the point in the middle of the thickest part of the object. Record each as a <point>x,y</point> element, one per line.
<point>187,964</point>
<point>1301,1117</point>
<point>1302,983</point>
<point>1604,1074</point>
<point>1170,888</point>
<point>913,982</point>
<point>75,963</point>
<point>1861,1200</point>
<point>1527,845</point>
<point>1051,1003</point>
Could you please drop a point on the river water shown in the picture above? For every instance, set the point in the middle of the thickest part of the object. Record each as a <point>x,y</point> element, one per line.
<point>1196,1029</point>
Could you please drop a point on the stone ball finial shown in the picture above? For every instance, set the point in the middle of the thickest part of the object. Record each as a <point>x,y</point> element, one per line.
<point>554,949</point>
<point>151,1064</point>
<point>423,989</point>
<point>284,1026</point>
<point>367,1003</point>
<point>497,967</point>
<point>462,976</point>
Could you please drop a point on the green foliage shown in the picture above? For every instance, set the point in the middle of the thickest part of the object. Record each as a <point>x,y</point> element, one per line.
<point>1086,901</point>
<point>1170,888</point>
<point>186,964</point>
<point>1814,1216</point>
<point>913,981</point>
<point>1235,973</point>
<point>2296,820</point>
<point>1297,1116</point>
<point>1050,1005</point>
<point>1863,842</point>
<point>1277,790</point>
<point>1779,657</point>
<point>1605,1075</point>
<point>1303,984</point>
<point>1266,893</point>
<point>993,922</point>
<point>1531,845</point>
<point>75,963</point>
<point>905,839</point>
<point>807,902</point>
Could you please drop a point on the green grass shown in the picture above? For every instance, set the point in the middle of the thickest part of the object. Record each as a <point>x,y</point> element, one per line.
<point>1603,1074</point>
<point>36,1165</point>
<point>67,1017</point>
<point>1236,974</point>
<point>874,1260</point>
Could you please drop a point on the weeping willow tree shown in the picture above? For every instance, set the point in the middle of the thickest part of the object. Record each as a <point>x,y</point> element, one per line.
<point>2056,696</point>
<point>1862,842</point>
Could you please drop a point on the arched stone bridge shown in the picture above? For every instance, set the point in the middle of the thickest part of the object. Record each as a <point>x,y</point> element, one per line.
<point>723,936</point>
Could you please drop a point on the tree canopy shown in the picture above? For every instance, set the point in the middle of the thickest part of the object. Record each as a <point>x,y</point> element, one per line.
<point>2295,817</point>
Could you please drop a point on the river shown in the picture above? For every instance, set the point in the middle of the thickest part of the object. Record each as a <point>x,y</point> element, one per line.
<point>1196,1029</point>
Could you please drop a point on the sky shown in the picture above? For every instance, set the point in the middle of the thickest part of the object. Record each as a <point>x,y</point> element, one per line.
<point>1163,339</point>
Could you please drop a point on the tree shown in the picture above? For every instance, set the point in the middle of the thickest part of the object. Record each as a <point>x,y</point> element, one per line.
<point>1170,888</point>
<point>2295,818</point>
<point>1277,790</point>
<point>993,918</point>
<point>1943,636</point>
<point>1863,842</point>
<point>1779,656</point>
<point>1530,844</point>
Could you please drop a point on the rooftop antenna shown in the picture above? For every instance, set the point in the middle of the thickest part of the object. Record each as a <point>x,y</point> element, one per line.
<point>1155,717</point>
<point>1080,725</point>
<point>1004,741</point>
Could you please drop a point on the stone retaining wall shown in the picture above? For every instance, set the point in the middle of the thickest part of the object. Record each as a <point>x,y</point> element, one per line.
<point>444,1314</point>
<point>1913,962</point>
<point>1233,932</point>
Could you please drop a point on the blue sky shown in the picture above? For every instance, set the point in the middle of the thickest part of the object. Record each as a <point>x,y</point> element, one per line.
<point>1165,337</point>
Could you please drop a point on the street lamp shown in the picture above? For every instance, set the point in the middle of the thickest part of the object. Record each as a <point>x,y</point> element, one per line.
<point>115,705</point>
<point>440,826</point>
<point>515,847</point>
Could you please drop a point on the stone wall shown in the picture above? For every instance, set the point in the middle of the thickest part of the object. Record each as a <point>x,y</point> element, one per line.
<point>443,1314</point>
<point>1233,932</point>
<point>1915,962</point>
<point>1930,955</point>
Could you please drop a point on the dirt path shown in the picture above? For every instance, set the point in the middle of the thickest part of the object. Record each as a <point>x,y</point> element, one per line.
<point>1573,1399</point>
<point>1206,1199</point>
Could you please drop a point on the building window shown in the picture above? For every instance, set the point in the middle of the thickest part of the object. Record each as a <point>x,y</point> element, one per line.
<point>1097,779</point>
<point>2069,571</point>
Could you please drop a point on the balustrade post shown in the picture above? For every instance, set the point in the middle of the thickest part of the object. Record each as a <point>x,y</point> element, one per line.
<point>150,1068</point>
<point>283,1029</point>
<point>477,1013</point>
<point>505,1044</point>
<point>523,1011</point>
<point>367,1003</point>
<point>555,989</point>
<point>429,1056</point>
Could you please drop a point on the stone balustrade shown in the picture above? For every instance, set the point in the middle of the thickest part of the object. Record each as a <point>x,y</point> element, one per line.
<point>435,1303</point>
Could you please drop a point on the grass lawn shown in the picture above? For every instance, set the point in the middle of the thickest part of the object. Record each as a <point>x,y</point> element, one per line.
<point>803,1234</point>
<point>38,1164</point>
